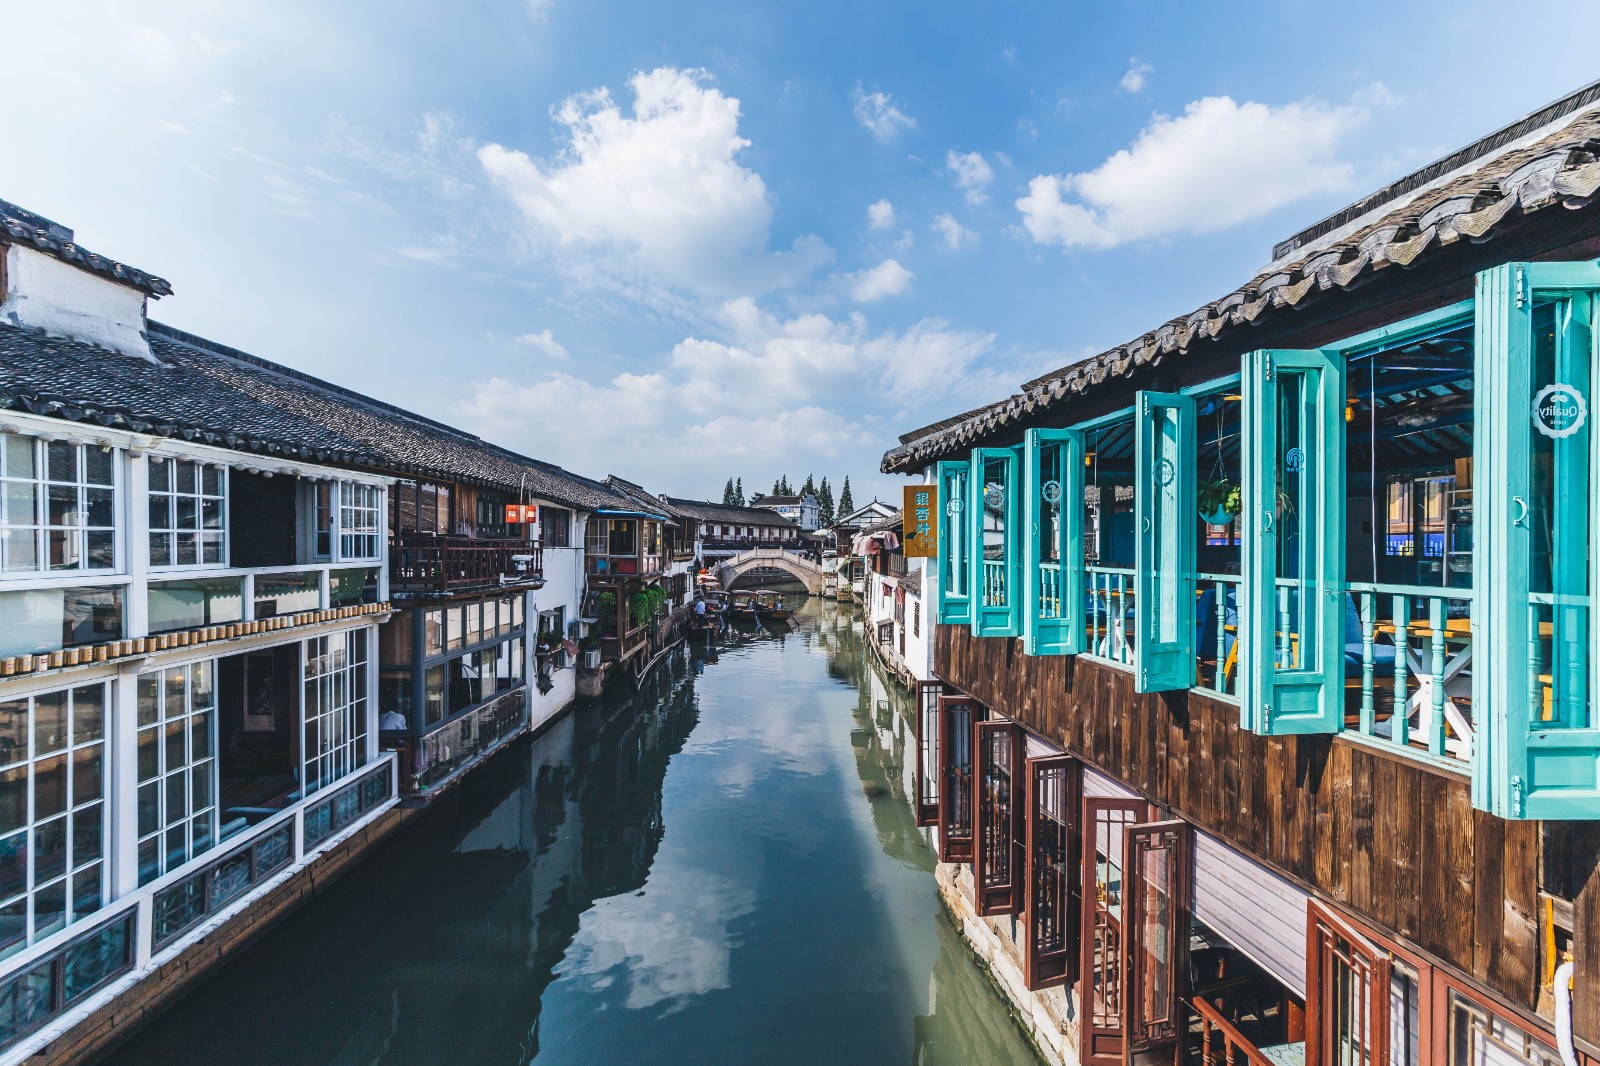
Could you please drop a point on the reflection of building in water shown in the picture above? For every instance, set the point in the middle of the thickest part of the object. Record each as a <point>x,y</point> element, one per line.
<point>479,907</point>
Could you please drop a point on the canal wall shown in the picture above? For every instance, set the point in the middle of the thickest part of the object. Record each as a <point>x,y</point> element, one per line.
<point>104,1029</point>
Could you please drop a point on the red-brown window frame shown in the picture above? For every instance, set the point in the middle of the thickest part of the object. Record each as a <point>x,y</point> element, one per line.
<point>1323,927</point>
<point>999,791</point>
<point>1053,892</point>
<point>1155,1026</point>
<point>927,779</point>
<point>957,715</point>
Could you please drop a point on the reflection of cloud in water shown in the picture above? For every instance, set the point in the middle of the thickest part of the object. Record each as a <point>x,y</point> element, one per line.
<point>665,947</point>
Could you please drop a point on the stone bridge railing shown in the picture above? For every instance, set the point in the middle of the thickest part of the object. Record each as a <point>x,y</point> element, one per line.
<point>800,568</point>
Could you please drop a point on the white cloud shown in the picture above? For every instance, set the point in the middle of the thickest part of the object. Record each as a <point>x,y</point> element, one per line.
<point>880,214</point>
<point>888,278</point>
<point>1133,81</point>
<point>953,233</point>
<point>879,115</point>
<point>1217,164</point>
<point>763,393</point>
<point>662,186</point>
<point>1377,94</point>
<point>540,9</point>
<point>972,173</point>
<point>545,341</point>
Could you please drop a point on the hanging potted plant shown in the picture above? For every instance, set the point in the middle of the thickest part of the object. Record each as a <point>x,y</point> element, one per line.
<point>1219,501</point>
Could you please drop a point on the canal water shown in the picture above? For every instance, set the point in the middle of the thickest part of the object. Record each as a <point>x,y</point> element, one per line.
<point>723,869</point>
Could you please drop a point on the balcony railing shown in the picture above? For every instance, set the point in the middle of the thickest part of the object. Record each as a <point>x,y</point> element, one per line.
<point>744,543</point>
<point>419,562</point>
<point>66,975</point>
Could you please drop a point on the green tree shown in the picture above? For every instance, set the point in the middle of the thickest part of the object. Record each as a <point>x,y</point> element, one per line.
<point>846,503</point>
<point>810,486</point>
<point>825,504</point>
<point>738,493</point>
<point>727,492</point>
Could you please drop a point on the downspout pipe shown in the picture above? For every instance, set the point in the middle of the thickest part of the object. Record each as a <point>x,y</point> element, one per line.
<point>1569,1054</point>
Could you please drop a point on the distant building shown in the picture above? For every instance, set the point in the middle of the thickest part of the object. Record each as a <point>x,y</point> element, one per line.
<point>723,530</point>
<point>803,510</point>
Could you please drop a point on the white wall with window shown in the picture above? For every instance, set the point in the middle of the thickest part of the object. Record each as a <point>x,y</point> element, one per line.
<point>57,506</point>
<point>188,507</point>
<point>52,811</point>
<point>344,520</point>
<point>177,810</point>
<point>334,730</point>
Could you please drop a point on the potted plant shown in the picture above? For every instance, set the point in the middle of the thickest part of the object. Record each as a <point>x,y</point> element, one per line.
<point>605,606</point>
<point>1219,501</point>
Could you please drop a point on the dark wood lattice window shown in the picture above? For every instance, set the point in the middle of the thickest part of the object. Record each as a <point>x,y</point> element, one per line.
<point>927,792</point>
<point>1347,994</point>
<point>1105,824</point>
<point>1155,952</point>
<point>957,715</point>
<point>1054,882</point>
<point>999,789</point>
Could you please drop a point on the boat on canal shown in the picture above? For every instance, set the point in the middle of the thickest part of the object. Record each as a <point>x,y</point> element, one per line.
<point>743,607</point>
<point>769,607</point>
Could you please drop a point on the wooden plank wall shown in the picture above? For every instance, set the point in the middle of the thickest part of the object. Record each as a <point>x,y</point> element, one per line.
<point>1392,839</point>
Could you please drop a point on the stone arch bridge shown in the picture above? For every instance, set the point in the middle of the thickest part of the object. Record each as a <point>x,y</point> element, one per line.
<point>770,563</point>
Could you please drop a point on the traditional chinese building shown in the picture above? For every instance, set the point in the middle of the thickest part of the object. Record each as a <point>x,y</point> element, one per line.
<point>1265,722</point>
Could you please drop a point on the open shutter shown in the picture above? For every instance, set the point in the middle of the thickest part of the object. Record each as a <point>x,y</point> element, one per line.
<point>1155,951</point>
<point>994,519</point>
<point>1101,989</point>
<point>1165,514</point>
<point>1054,881</point>
<point>927,783</point>
<point>998,793</point>
<point>1347,994</point>
<point>956,716</point>
<point>1291,603</point>
<point>955,604</point>
<point>1535,530</point>
<point>1052,517</point>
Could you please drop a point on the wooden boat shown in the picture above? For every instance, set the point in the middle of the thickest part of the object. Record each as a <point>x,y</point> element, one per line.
<point>769,607</point>
<point>743,607</point>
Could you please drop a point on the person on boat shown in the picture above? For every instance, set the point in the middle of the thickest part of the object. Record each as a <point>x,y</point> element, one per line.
<point>699,609</point>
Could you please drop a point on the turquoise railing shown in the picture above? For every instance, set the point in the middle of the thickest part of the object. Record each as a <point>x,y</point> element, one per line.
<point>1111,607</point>
<point>1050,590</point>
<point>1217,635</point>
<point>994,583</point>
<point>1408,680</point>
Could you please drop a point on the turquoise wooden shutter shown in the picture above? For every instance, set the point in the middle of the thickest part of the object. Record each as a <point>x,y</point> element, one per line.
<point>993,522</point>
<point>1291,651</point>
<point>1052,517</point>
<point>1165,514</point>
<point>955,604</point>
<point>1536,672</point>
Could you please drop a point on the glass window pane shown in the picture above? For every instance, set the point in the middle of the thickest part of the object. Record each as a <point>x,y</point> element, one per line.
<point>49,909</point>
<point>88,842</point>
<point>20,459</point>
<point>49,850</point>
<point>13,731</point>
<point>88,713</point>
<point>88,769</point>
<point>63,460</point>
<point>97,465</point>
<point>13,798</point>
<point>13,864</point>
<point>21,503</point>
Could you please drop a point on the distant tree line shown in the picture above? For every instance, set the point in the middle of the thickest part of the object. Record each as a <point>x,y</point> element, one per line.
<point>733,495</point>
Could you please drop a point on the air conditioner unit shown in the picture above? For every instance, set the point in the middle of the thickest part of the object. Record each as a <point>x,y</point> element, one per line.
<point>591,659</point>
<point>521,562</point>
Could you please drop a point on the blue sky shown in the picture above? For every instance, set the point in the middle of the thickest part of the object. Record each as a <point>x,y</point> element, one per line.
<point>679,242</point>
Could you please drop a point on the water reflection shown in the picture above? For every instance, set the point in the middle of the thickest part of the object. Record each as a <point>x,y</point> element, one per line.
<point>768,899</point>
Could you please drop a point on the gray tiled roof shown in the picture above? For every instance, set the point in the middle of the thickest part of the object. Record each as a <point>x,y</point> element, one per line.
<point>1551,159</point>
<point>706,511</point>
<point>205,392</point>
<point>21,226</point>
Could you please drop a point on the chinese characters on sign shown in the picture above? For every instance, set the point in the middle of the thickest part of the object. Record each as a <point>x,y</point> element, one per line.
<point>919,522</point>
<point>519,513</point>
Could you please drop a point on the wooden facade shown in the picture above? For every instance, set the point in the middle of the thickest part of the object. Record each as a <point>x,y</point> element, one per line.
<point>1393,840</point>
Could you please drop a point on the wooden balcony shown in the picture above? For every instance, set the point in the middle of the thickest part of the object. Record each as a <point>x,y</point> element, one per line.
<point>420,563</point>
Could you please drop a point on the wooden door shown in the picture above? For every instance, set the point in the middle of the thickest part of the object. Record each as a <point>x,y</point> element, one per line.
<point>956,717</point>
<point>997,797</point>
<point>1054,879</point>
<point>1347,994</point>
<point>1155,950</point>
<point>1100,989</point>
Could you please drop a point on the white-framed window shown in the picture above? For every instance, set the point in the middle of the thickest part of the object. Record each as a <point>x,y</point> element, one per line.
<point>333,738</point>
<point>177,724</point>
<point>52,811</point>
<point>188,513</point>
<point>359,508</point>
<point>57,506</point>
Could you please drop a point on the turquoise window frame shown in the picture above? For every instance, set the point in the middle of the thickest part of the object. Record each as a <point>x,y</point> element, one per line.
<point>1165,525</point>
<point>1307,697</point>
<point>1530,761</point>
<point>955,605</point>
<point>996,593</point>
<point>1053,602</point>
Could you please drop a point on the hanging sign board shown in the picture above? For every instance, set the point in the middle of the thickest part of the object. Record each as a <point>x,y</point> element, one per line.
<point>520,513</point>
<point>919,522</point>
